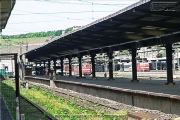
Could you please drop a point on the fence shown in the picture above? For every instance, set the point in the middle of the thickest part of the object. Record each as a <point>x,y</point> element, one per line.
<point>17,107</point>
<point>9,84</point>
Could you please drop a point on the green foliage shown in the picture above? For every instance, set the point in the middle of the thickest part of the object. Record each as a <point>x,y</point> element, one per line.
<point>21,38</point>
<point>7,89</point>
<point>8,93</point>
<point>61,108</point>
<point>54,104</point>
<point>68,29</point>
<point>37,34</point>
<point>34,35</point>
<point>159,55</point>
<point>124,52</point>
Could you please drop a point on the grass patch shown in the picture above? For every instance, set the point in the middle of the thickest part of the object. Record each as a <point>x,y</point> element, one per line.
<point>63,109</point>
<point>7,89</point>
<point>8,93</point>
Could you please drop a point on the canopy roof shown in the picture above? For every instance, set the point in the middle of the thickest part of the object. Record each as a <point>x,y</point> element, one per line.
<point>6,7</point>
<point>140,24</point>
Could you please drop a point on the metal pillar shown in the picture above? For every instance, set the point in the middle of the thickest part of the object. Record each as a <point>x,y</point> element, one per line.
<point>44,67</point>
<point>134,66</point>
<point>110,66</point>
<point>49,66</point>
<point>93,66</point>
<point>54,65</point>
<point>169,64</point>
<point>178,58</point>
<point>70,67</point>
<point>40,69</point>
<point>44,64</point>
<point>17,87</point>
<point>62,67</point>
<point>36,68</point>
<point>80,65</point>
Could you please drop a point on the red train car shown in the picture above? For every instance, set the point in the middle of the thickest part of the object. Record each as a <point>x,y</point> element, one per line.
<point>143,66</point>
<point>86,68</point>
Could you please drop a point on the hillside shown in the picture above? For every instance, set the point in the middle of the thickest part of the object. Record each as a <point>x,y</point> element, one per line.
<point>25,42</point>
<point>21,45</point>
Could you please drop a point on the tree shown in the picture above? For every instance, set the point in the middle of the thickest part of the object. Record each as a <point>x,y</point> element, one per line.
<point>159,55</point>
<point>68,29</point>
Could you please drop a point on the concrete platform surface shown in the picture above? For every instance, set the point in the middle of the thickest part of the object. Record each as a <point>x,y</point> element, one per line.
<point>153,85</point>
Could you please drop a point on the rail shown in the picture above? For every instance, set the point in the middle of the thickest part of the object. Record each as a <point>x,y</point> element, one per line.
<point>46,115</point>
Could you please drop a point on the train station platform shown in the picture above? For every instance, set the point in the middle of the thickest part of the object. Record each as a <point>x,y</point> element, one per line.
<point>147,93</point>
<point>145,84</point>
<point>4,112</point>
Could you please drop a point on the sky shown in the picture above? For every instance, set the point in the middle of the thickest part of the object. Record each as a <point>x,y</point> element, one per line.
<point>48,15</point>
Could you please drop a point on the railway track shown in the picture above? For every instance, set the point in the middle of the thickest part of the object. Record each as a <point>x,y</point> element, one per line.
<point>83,99</point>
<point>101,104</point>
<point>32,111</point>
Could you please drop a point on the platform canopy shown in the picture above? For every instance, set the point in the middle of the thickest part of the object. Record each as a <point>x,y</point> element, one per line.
<point>145,23</point>
<point>6,7</point>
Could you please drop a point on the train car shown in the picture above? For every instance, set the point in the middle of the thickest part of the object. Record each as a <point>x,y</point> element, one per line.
<point>2,71</point>
<point>75,69</point>
<point>86,69</point>
<point>126,67</point>
<point>66,69</point>
<point>100,67</point>
<point>157,63</point>
<point>144,66</point>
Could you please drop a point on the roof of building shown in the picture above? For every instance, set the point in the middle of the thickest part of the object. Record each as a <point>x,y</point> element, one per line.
<point>138,25</point>
<point>5,12</point>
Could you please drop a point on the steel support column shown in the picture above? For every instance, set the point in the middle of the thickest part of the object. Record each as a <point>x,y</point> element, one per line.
<point>54,65</point>
<point>40,69</point>
<point>17,87</point>
<point>44,67</point>
<point>49,66</point>
<point>16,74</point>
<point>110,66</point>
<point>70,67</point>
<point>93,66</point>
<point>36,68</point>
<point>62,67</point>
<point>80,65</point>
<point>169,64</point>
<point>134,66</point>
<point>44,64</point>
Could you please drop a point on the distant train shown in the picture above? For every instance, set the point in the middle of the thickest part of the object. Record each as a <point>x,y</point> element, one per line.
<point>86,69</point>
<point>157,63</point>
<point>141,66</point>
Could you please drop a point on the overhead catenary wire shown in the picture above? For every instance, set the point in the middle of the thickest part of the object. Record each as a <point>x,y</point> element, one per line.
<point>50,21</point>
<point>82,2</point>
<point>70,12</point>
<point>77,16</point>
<point>67,12</point>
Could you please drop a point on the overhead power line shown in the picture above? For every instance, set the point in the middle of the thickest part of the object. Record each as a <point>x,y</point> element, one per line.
<point>88,19</point>
<point>60,12</point>
<point>95,3</point>
<point>83,2</point>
